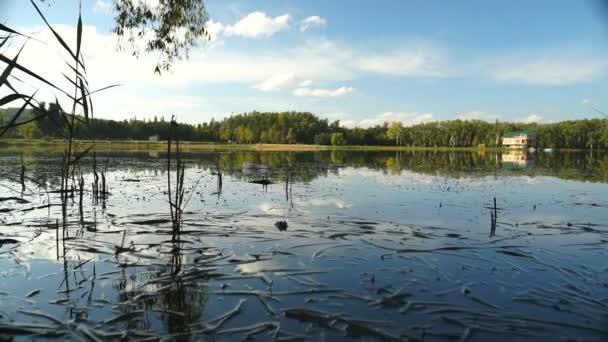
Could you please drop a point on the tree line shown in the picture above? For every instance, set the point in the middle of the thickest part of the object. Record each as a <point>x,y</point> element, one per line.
<point>307,128</point>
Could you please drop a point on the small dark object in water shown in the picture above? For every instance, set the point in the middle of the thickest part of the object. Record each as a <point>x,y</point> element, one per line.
<point>262,181</point>
<point>16,199</point>
<point>281,225</point>
<point>8,241</point>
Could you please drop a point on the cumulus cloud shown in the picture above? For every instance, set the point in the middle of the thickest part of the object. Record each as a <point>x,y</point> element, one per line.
<point>406,118</point>
<point>293,68</point>
<point>319,92</point>
<point>103,6</point>
<point>276,82</point>
<point>550,72</point>
<point>258,24</point>
<point>318,60</point>
<point>490,117</point>
<point>478,115</point>
<point>312,21</point>
<point>344,118</point>
<point>214,29</point>
<point>415,62</point>
<point>530,119</point>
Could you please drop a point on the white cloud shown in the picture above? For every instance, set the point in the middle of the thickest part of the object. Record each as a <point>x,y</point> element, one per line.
<point>151,4</point>
<point>530,119</point>
<point>343,117</point>
<point>478,115</point>
<point>312,21</point>
<point>322,92</point>
<point>258,24</point>
<point>586,101</point>
<point>414,62</point>
<point>323,61</point>
<point>489,117</point>
<point>214,29</point>
<point>277,82</point>
<point>550,72</point>
<point>406,118</point>
<point>103,6</point>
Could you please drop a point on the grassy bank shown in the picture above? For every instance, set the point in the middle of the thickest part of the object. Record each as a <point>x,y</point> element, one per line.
<point>131,145</point>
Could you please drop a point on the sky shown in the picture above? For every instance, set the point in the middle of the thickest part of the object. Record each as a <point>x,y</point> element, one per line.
<point>360,62</point>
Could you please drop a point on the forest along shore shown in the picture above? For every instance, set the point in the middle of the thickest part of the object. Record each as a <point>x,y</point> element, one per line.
<point>137,145</point>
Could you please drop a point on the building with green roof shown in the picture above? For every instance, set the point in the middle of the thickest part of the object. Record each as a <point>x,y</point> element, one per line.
<point>519,139</point>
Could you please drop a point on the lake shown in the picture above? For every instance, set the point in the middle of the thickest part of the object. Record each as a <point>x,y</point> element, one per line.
<point>318,245</point>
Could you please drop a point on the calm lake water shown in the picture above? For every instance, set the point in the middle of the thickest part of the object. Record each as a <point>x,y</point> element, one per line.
<point>376,246</point>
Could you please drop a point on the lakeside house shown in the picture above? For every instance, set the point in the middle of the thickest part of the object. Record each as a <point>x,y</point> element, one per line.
<point>154,138</point>
<point>519,139</point>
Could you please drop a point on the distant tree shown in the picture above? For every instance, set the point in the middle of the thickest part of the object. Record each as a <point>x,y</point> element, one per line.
<point>335,126</point>
<point>30,131</point>
<point>324,139</point>
<point>394,132</point>
<point>244,135</point>
<point>291,136</point>
<point>337,139</point>
<point>50,124</point>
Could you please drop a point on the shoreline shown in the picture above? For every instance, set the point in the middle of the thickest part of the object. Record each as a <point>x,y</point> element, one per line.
<point>188,146</point>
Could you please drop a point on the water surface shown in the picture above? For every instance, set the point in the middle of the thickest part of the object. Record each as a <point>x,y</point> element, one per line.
<point>377,246</point>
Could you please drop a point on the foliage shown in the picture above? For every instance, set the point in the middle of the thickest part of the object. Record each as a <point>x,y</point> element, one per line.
<point>30,131</point>
<point>170,27</point>
<point>337,139</point>
<point>301,128</point>
<point>82,107</point>
<point>395,131</point>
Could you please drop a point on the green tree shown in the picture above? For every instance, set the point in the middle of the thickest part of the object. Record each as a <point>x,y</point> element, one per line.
<point>337,139</point>
<point>395,130</point>
<point>30,131</point>
<point>51,123</point>
<point>291,136</point>
<point>169,27</point>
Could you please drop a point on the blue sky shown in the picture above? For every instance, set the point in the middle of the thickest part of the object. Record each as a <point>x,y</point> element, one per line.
<point>363,62</point>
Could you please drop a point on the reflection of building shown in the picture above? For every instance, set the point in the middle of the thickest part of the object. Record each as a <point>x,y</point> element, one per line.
<point>521,139</point>
<point>517,159</point>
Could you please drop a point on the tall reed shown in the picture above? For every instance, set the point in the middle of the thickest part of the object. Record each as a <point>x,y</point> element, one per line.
<point>176,194</point>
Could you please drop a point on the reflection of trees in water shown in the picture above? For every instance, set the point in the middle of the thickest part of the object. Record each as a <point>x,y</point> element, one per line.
<point>309,165</point>
<point>578,166</point>
<point>176,302</point>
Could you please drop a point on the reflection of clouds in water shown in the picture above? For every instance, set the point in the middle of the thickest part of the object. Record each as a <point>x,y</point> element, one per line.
<point>272,208</point>
<point>325,202</point>
<point>386,178</point>
<point>41,250</point>
<point>304,207</point>
<point>256,267</point>
<point>382,177</point>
